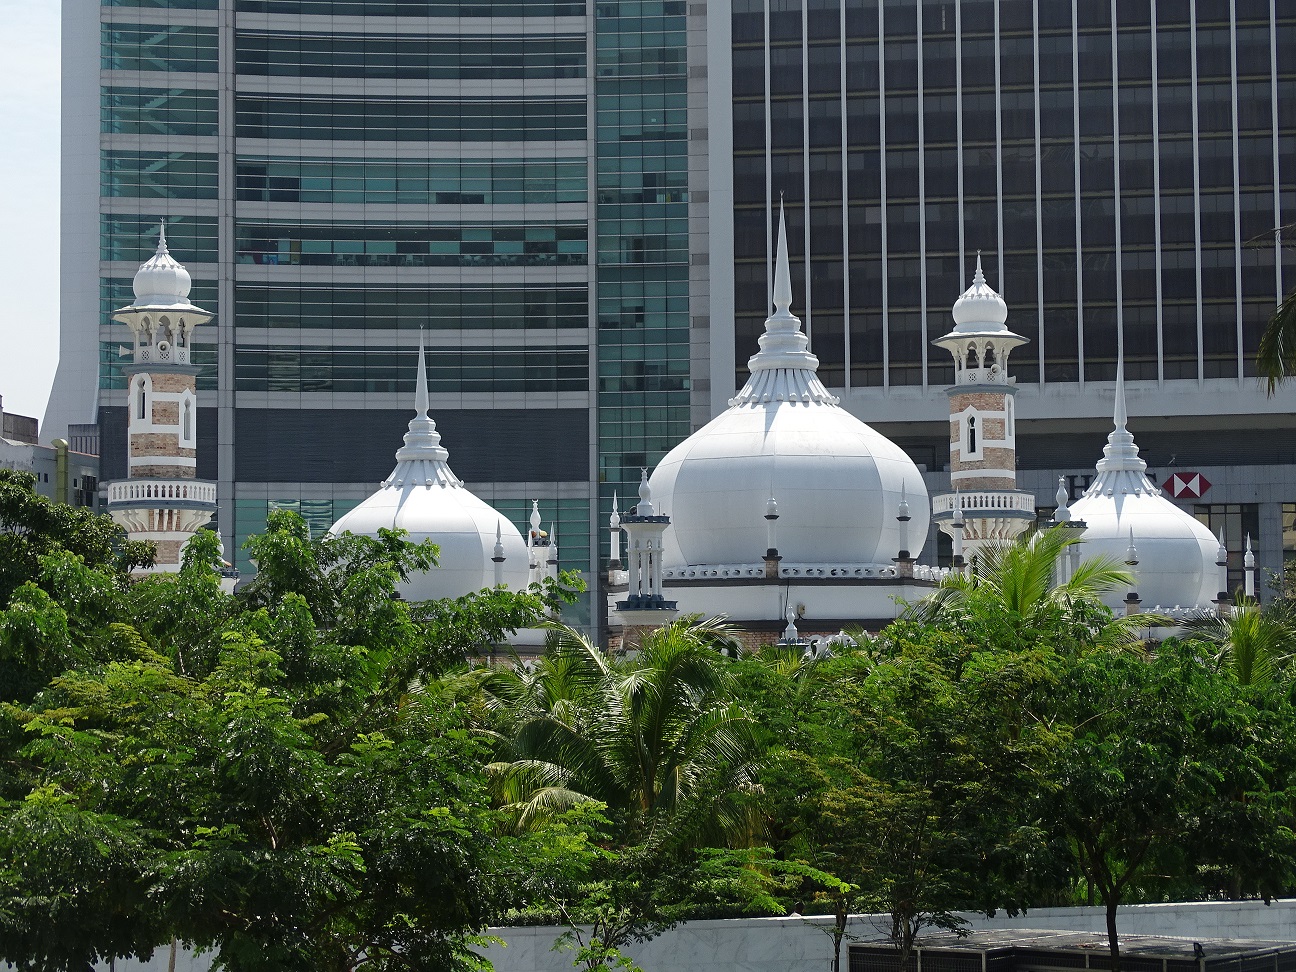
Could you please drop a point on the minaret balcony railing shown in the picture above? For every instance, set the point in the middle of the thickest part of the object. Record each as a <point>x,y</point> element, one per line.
<point>985,501</point>
<point>183,493</point>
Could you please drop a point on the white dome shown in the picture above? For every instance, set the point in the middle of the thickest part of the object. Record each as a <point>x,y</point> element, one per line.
<point>1176,553</point>
<point>837,482</point>
<point>980,308</point>
<point>161,281</point>
<point>425,498</point>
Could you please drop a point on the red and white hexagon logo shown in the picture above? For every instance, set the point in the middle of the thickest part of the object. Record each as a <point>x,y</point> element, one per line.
<point>1187,485</point>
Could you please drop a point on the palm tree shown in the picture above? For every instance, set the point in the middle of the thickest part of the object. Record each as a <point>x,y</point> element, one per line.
<point>1255,643</point>
<point>1276,356</point>
<point>656,738</point>
<point>1021,578</point>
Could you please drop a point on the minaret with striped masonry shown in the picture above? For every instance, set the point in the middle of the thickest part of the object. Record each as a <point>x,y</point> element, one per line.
<point>162,500</point>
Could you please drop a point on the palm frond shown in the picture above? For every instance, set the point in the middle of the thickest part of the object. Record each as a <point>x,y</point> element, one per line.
<point>1276,354</point>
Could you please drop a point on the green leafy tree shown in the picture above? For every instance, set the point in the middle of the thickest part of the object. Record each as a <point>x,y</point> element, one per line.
<point>1255,643</point>
<point>655,740</point>
<point>289,778</point>
<point>1168,765</point>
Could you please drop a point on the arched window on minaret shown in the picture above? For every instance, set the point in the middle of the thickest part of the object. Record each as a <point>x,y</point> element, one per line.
<point>989,358</point>
<point>186,422</point>
<point>972,435</point>
<point>1010,418</point>
<point>142,409</point>
<point>971,356</point>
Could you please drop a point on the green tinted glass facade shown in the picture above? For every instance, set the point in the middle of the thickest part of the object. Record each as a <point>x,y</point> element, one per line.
<point>643,246</point>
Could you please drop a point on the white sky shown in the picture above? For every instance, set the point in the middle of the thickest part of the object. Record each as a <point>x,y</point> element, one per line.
<point>29,203</point>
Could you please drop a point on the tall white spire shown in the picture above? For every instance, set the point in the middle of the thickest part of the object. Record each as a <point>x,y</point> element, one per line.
<point>782,271</point>
<point>420,381</point>
<point>1121,454</point>
<point>783,369</point>
<point>422,459</point>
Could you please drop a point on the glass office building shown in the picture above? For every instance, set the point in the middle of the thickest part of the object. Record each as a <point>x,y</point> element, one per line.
<point>576,199</point>
<point>1121,166</point>
<point>510,177</point>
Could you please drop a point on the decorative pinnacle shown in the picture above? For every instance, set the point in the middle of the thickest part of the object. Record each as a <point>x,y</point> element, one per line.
<point>978,278</point>
<point>1249,558</point>
<point>645,507</point>
<point>420,381</point>
<point>1121,417</point>
<point>1221,554</point>
<point>499,541</point>
<point>782,271</point>
<point>162,243</point>
<point>535,518</point>
<point>553,542</point>
<point>615,520</point>
<point>771,509</point>
<point>1131,552</point>
<point>957,520</point>
<point>903,513</point>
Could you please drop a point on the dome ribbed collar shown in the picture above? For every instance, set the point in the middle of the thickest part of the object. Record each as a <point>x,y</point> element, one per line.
<point>422,460</point>
<point>783,370</point>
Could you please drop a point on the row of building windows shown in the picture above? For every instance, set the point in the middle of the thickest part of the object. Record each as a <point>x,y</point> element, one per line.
<point>411,119</point>
<point>158,175</point>
<point>132,238</point>
<point>412,8</point>
<point>385,369</point>
<point>158,47</point>
<point>158,111</point>
<point>409,56</point>
<point>342,244</point>
<point>468,182</point>
<point>972,17</point>
<point>537,306</point>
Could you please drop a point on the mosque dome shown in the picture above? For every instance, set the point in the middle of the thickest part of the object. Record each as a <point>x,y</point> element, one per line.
<point>1176,553</point>
<point>161,281</point>
<point>836,482</point>
<point>425,498</point>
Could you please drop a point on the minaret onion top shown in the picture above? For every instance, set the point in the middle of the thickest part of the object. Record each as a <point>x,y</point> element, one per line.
<point>783,369</point>
<point>161,281</point>
<point>1121,454</point>
<point>979,308</point>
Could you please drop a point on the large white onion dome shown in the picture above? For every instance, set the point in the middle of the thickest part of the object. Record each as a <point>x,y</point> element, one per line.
<point>161,281</point>
<point>425,498</point>
<point>838,483</point>
<point>1176,553</point>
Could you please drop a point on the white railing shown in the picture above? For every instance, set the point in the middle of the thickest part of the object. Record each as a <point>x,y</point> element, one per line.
<point>167,490</point>
<point>982,499</point>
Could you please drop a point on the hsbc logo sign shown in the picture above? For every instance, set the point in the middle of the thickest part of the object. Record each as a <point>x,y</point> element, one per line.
<point>1187,485</point>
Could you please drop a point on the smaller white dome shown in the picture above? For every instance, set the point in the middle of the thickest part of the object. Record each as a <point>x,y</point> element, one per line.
<point>161,281</point>
<point>1122,508</point>
<point>426,499</point>
<point>980,308</point>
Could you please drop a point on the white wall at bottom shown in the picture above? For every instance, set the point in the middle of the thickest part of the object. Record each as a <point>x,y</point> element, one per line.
<point>802,944</point>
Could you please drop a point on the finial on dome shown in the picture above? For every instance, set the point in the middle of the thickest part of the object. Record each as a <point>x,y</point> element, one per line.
<point>420,381</point>
<point>162,243</point>
<point>1121,417</point>
<point>978,278</point>
<point>645,507</point>
<point>782,269</point>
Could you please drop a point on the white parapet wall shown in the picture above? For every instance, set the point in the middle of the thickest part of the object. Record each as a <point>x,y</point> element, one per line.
<point>803,944</point>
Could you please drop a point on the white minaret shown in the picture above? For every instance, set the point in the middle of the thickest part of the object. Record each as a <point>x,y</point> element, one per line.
<point>983,434</point>
<point>645,606</point>
<point>161,500</point>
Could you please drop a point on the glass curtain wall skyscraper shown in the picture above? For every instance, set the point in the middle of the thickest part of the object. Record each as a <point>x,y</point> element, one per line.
<point>511,177</point>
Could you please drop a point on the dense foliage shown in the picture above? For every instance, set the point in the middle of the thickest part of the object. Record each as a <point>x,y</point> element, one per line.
<point>315,774</point>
